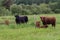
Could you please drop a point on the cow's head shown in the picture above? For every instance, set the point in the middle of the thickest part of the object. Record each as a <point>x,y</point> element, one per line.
<point>42,18</point>
<point>16,16</point>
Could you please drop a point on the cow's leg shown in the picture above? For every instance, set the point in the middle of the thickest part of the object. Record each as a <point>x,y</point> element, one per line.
<point>53,25</point>
<point>26,22</point>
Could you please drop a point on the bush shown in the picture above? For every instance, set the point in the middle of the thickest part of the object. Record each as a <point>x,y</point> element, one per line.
<point>15,9</point>
<point>4,11</point>
<point>44,8</point>
<point>30,9</point>
<point>57,10</point>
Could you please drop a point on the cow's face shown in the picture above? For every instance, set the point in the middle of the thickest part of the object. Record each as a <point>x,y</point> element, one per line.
<point>42,18</point>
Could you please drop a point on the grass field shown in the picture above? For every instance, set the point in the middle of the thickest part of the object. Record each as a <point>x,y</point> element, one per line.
<point>29,31</point>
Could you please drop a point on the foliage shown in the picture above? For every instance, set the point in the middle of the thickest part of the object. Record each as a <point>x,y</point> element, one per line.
<point>44,8</point>
<point>15,9</point>
<point>29,7</point>
<point>4,11</point>
<point>7,3</point>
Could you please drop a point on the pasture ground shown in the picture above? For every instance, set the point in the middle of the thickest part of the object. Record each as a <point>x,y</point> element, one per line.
<point>29,31</point>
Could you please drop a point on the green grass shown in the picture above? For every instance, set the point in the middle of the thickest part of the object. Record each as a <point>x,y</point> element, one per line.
<point>29,31</point>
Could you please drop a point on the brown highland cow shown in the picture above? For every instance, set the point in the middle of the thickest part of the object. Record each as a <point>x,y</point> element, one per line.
<point>48,20</point>
<point>39,26</point>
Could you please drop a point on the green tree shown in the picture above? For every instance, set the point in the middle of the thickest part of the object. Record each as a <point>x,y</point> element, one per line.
<point>7,3</point>
<point>4,11</point>
<point>16,9</point>
<point>44,8</point>
<point>53,6</point>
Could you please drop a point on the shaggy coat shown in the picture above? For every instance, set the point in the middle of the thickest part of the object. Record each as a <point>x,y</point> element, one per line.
<point>39,26</point>
<point>44,26</point>
<point>7,22</point>
<point>48,20</point>
<point>19,19</point>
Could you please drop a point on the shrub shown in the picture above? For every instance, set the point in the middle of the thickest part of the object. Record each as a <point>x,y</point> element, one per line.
<point>4,11</point>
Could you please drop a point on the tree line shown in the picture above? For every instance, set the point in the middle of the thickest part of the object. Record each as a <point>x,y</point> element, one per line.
<point>29,7</point>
